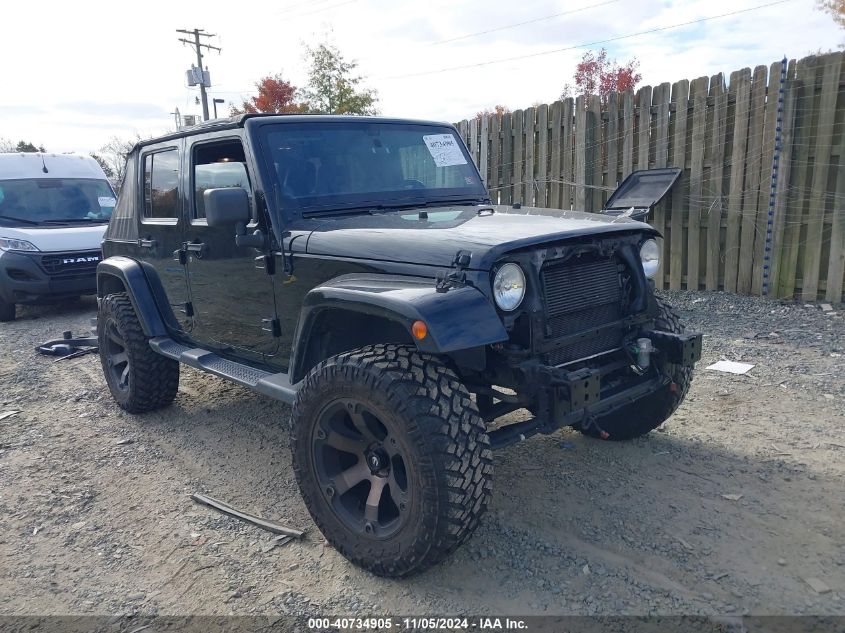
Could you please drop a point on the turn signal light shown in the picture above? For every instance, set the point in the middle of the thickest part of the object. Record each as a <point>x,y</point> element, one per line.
<point>419,330</point>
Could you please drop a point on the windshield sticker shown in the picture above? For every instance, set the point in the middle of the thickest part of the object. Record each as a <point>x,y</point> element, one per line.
<point>106,201</point>
<point>444,150</point>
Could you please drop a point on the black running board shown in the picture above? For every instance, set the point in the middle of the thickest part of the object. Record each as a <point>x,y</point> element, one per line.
<point>276,386</point>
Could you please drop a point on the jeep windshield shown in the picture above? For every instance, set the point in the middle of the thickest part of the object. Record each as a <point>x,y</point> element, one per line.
<point>354,166</point>
<point>55,201</point>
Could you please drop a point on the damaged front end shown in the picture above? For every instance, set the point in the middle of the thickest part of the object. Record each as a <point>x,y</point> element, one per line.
<point>584,342</point>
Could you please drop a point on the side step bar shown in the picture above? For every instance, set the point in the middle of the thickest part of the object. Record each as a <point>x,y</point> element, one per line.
<point>276,386</point>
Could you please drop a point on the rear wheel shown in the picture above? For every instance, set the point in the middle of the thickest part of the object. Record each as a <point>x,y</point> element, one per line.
<point>648,413</point>
<point>7,311</point>
<point>139,379</point>
<point>391,456</point>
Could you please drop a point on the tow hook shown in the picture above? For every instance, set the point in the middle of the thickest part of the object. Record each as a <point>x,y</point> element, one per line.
<point>589,423</point>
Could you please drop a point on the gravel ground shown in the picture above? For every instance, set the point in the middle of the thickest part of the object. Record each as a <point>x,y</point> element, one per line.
<point>734,506</point>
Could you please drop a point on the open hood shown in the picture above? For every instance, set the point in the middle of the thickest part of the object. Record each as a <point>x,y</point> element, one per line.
<point>641,191</point>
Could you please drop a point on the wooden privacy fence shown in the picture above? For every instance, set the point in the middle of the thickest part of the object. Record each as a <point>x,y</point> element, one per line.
<point>716,222</point>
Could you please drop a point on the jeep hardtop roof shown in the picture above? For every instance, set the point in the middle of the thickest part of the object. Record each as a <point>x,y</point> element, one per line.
<point>229,123</point>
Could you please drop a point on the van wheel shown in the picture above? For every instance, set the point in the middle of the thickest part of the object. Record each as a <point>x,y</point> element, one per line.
<point>391,456</point>
<point>139,379</point>
<point>7,311</point>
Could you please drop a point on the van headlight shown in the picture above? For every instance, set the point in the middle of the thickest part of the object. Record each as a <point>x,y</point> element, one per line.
<point>11,244</point>
<point>509,287</point>
<point>650,257</point>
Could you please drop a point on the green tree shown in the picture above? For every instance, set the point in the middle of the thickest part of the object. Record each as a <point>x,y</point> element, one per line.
<point>6,146</point>
<point>333,87</point>
<point>26,147</point>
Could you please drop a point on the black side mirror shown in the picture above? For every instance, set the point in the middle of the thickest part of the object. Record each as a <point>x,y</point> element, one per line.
<point>227,207</point>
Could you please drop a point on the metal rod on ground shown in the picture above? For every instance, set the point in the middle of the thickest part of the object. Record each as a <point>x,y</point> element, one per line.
<point>767,255</point>
<point>225,508</point>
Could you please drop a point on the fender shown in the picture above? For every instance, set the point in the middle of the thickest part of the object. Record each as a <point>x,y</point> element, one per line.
<point>459,319</point>
<point>144,289</point>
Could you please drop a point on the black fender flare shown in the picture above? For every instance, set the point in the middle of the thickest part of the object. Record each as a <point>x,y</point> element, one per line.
<point>458,319</point>
<point>145,291</point>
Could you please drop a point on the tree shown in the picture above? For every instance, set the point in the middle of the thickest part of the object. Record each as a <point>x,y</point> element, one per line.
<point>28,148</point>
<point>836,8</point>
<point>275,95</point>
<point>333,88</point>
<point>6,146</point>
<point>595,74</point>
<point>114,154</point>
<point>498,110</point>
<point>104,165</point>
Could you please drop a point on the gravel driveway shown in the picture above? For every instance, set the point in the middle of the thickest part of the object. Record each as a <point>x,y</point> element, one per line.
<point>736,505</point>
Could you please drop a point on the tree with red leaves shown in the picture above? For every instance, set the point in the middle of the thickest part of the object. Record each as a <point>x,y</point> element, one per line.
<point>275,95</point>
<point>595,74</point>
<point>498,110</point>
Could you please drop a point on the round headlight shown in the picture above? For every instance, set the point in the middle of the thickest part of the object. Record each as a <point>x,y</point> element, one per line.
<point>650,257</point>
<point>509,287</point>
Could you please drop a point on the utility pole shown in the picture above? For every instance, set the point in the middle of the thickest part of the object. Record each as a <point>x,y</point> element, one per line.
<point>198,46</point>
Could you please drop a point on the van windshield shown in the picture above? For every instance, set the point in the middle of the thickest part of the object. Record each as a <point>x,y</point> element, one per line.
<point>54,201</point>
<point>359,166</point>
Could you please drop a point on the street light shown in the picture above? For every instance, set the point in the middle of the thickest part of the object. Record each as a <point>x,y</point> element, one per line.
<point>216,101</point>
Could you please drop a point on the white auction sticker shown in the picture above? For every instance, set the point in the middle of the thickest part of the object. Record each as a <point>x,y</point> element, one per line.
<point>106,201</point>
<point>445,150</point>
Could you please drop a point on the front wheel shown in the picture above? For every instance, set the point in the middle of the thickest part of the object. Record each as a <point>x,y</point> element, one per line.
<point>391,457</point>
<point>647,413</point>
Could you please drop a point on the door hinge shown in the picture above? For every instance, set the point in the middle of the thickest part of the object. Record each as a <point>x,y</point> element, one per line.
<point>266,262</point>
<point>275,327</point>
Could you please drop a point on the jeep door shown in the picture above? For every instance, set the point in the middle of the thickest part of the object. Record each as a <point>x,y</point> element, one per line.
<point>231,291</point>
<point>161,225</point>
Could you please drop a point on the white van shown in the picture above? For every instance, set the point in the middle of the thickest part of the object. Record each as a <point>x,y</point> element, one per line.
<point>54,209</point>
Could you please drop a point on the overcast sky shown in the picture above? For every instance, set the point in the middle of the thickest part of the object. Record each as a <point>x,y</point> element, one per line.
<point>76,73</point>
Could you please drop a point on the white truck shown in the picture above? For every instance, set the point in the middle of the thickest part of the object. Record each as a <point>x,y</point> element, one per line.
<point>54,209</point>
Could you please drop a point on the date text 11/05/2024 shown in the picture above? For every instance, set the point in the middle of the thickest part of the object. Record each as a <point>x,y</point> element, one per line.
<point>418,624</point>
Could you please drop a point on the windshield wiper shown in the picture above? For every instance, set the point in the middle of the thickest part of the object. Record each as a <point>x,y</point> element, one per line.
<point>24,220</point>
<point>75,220</point>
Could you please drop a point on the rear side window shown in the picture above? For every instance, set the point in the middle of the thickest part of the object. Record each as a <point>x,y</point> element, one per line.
<point>161,178</point>
<point>218,165</point>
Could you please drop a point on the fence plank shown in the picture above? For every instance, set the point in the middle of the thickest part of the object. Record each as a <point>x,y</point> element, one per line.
<point>518,140</point>
<point>593,153</point>
<point>765,189</point>
<point>698,97</point>
<point>831,65</point>
<point>507,160</point>
<point>784,173</point>
<point>529,128</point>
<point>612,141</point>
<point>542,155</point>
<point>628,131</point>
<point>680,99</point>
<point>806,76</point>
<point>836,261</point>
<point>484,143</point>
<point>495,132</point>
<point>643,126</point>
<point>556,149</point>
<point>662,99</point>
<point>580,153</point>
<point>473,142</point>
<point>741,88</point>
<point>566,191</point>
<point>751,188</point>
<point>715,180</point>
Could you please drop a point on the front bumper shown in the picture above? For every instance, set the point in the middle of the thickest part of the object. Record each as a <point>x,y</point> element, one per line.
<point>24,278</point>
<point>564,397</point>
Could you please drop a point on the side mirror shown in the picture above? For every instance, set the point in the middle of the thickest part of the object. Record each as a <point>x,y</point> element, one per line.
<point>226,207</point>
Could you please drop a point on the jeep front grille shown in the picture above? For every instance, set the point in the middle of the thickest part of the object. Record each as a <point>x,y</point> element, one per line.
<point>76,265</point>
<point>581,294</point>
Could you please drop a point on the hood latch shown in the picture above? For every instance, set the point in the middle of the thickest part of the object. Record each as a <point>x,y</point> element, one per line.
<point>457,277</point>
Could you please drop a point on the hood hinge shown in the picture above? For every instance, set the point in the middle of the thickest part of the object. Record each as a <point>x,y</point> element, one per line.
<point>457,277</point>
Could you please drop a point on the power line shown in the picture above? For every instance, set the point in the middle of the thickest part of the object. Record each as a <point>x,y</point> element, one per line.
<point>586,44</point>
<point>518,24</point>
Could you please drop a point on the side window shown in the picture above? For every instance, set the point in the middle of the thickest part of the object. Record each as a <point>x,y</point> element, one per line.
<point>161,178</point>
<point>216,166</point>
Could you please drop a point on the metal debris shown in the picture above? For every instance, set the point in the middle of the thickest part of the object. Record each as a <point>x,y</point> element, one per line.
<point>225,508</point>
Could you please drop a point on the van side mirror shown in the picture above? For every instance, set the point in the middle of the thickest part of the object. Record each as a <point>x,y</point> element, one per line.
<point>226,207</point>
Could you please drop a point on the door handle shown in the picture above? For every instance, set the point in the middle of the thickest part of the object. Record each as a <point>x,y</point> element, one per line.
<point>147,243</point>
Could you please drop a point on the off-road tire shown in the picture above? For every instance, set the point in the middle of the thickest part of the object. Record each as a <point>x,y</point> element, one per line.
<point>7,311</point>
<point>153,379</point>
<point>647,413</point>
<point>448,452</point>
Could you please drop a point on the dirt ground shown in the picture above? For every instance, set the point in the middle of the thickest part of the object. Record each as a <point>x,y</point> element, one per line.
<point>735,506</point>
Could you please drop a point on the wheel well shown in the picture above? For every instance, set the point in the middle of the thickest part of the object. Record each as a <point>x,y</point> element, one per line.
<point>109,284</point>
<point>336,330</point>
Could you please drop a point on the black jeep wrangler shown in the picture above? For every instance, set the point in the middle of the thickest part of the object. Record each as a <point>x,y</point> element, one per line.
<point>355,268</point>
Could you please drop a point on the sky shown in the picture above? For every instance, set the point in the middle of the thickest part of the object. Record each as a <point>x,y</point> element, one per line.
<point>75,74</point>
